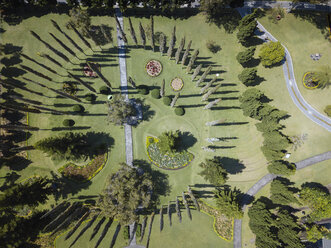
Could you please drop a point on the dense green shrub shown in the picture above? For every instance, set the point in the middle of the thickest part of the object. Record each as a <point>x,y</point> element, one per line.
<point>68,122</point>
<point>327,110</point>
<point>126,233</point>
<point>138,231</point>
<point>143,89</point>
<point>90,97</point>
<point>271,53</point>
<point>155,93</point>
<point>167,100</point>
<point>78,108</point>
<point>104,90</point>
<point>179,111</point>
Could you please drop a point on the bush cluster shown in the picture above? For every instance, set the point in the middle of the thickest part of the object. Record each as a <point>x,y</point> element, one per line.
<point>155,93</point>
<point>179,111</point>
<point>68,122</point>
<point>78,108</point>
<point>90,97</point>
<point>167,100</point>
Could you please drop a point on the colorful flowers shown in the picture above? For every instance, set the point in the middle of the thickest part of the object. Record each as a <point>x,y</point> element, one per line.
<point>153,68</point>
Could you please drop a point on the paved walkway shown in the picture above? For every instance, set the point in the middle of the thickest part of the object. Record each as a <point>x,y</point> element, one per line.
<point>264,181</point>
<point>127,128</point>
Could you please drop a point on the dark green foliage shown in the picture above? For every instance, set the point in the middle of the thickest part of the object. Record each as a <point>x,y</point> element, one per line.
<point>126,232</point>
<point>179,111</point>
<point>229,202</point>
<point>152,33</point>
<point>327,110</point>
<point>186,206</point>
<point>155,93</point>
<point>251,102</point>
<point>271,53</point>
<point>125,191</point>
<point>97,227</point>
<point>245,56</point>
<point>213,171</point>
<point>104,90</point>
<point>281,167</point>
<point>186,53</point>
<point>268,125</point>
<point>68,146</point>
<point>246,32</point>
<point>212,46</point>
<point>275,140</point>
<point>138,231</point>
<point>168,142</point>
<point>271,154</point>
<point>119,110</point>
<point>248,76</point>
<point>90,97</point>
<point>167,100</point>
<point>281,192</point>
<point>143,89</point>
<point>314,233</point>
<point>172,43</point>
<point>68,122</point>
<point>80,19</point>
<point>78,108</point>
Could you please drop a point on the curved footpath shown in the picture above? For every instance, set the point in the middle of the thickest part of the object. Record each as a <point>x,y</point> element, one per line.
<point>264,181</point>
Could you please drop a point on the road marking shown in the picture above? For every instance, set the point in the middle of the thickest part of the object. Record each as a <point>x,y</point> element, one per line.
<point>298,99</point>
<point>322,120</point>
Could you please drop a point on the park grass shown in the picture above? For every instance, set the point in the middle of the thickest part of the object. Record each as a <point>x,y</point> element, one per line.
<point>292,31</point>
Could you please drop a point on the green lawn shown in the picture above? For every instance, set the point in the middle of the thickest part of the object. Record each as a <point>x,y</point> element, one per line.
<point>292,32</point>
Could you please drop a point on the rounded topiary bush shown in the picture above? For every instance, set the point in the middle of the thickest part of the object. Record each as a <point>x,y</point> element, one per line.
<point>104,90</point>
<point>90,97</point>
<point>78,108</point>
<point>143,89</point>
<point>167,100</point>
<point>68,122</point>
<point>179,111</point>
<point>155,93</point>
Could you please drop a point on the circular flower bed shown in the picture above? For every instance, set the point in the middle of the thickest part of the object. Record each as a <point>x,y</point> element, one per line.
<point>70,88</point>
<point>177,84</point>
<point>88,72</point>
<point>309,80</point>
<point>153,68</point>
<point>166,161</point>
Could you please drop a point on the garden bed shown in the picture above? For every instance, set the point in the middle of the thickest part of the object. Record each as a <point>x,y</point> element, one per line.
<point>154,68</point>
<point>177,84</point>
<point>166,161</point>
<point>223,226</point>
<point>309,80</point>
<point>85,172</point>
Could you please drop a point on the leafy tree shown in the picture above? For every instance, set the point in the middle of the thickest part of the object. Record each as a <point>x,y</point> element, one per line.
<point>251,102</point>
<point>281,193</point>
<point>281,167</point>
<point>268,125</point>
<point>318,200</point>
<point>213,171</point>
<point>275,140</point>
<point>212,46</point>
<point>80,19</point>
<point>271,53</point>
<point>125,192</point>
<point>228,202</point>
<point>211,7</point>
<point>272,155</point>
<point>314,233</point>
<point>246,30</point>
<point>169,142</point>
<point>245,56</point>
<point>192,60</point>
<point>119,110</point>
<point>248,76</point>
<point>323,76</point>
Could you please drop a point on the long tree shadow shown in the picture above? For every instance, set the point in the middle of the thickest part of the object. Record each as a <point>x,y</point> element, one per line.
<point>232,165</point>
<point>225,108</point>
<point>232,123</point>
<point>187,140</point>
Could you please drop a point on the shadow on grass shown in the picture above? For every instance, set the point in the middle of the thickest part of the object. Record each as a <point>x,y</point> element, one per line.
<point>232,165</point>
<point>187,140</point>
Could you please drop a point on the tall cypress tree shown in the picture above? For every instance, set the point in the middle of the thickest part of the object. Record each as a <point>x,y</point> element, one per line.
<point>175,100</point>
<point>152,33</point>
<point>142,34</point>
<point>179,50</point>
<point>196,71</point>
<point>204,75</point>
<point>162,43</point>
<point>192,60</point>
<point>186,53</point>
<point>172,43</point>
<point>133,33</point>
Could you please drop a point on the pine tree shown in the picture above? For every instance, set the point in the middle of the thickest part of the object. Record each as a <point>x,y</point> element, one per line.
<point>142,34</point>
<point>162,43</point>
<point>172,43</point>
<point>192,60</point>
<point>179,50</point>
<point>184,58</point>
<point>133,33</point>
<point>123,36</point>
<point>152,33</point>
<point>210,92</point>
<point>211,104</point>
<point>174,100</point>
<point>196,71</point>
<point>204,75</point>
<point>207,86</point>
<point>162,91</point>
<point>213,171</point>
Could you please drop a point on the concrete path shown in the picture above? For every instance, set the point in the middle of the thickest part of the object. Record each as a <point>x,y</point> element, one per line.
<point>287,5</point>
<point>127,128</point>
<point>288,71</point>
<point>264,181</point>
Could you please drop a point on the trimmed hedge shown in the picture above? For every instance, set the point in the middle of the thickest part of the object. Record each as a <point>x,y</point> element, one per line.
<point>68,122</point>
<point>155,93</point>
<point>167,100</point>
<point>143,89</point>
<point>90,97</point>
<point>78,108</point>
<point>104,90</point>
<point>179,111</point>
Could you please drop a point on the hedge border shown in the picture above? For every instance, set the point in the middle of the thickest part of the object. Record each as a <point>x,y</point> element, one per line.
<point>90,177</point>
<point>157,165</point>
<point>157,74</point>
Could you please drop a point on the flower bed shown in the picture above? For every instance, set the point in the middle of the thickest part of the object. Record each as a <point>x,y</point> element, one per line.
<point>309,80</point>
<point>165,161</point>
<point>88,72</point>
<point>85,172</point>
<point>223,226</point>
<point>153,68</point>
<point>177,84</point>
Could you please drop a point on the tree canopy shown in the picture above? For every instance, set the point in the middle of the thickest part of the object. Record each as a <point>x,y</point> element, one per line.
<point>119,110</point>
<point>281,192</point>
<point>271,53</point>
<point>213,171</point>
<point>228,201</point>
<point>248,76</point>
<point>169,142</point>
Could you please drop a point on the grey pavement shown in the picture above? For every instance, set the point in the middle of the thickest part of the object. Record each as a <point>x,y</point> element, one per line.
<point>313,160</point>
<point>287,5</point>
<point>127,128</point>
